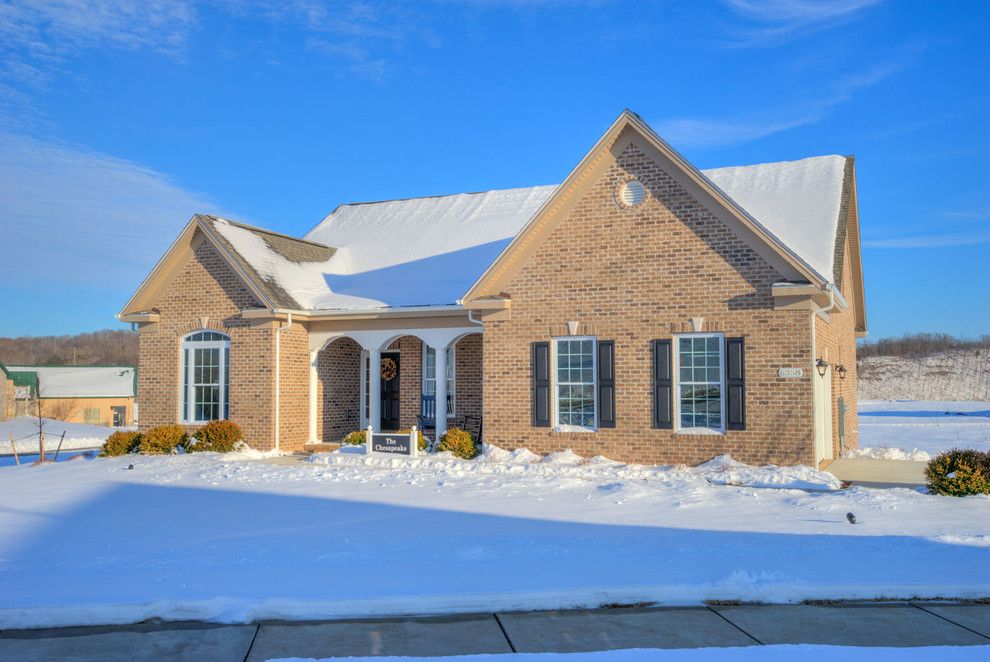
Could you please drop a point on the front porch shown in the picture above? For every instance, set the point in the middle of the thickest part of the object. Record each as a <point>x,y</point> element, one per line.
<point>386,378</point>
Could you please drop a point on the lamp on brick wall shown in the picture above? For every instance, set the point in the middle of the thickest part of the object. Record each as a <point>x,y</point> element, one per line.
<point>840,370</point>
<point>822,366</point>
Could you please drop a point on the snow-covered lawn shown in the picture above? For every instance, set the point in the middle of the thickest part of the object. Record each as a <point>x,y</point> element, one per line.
<point>805,653</point>
<point>919,429</point>
<point>24,431</point>
<point>233,539</point>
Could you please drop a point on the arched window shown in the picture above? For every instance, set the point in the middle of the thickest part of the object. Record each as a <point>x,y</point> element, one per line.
<point>205,377</point>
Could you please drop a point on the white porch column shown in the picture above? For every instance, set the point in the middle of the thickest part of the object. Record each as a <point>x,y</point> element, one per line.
<point>440,352</point>
<point>375,388</point>
<point>313,397</point>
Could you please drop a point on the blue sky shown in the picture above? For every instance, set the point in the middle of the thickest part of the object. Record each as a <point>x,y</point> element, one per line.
<point>120,119</point>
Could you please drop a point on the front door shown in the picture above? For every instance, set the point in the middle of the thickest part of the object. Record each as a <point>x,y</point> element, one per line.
<point>390,390</point>
<point>823,415</point>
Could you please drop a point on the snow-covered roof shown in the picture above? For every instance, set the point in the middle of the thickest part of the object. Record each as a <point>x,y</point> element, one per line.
<point>83,381</point>
<point>422,250</point>
<point>796,201</point>
<point>429,251</point>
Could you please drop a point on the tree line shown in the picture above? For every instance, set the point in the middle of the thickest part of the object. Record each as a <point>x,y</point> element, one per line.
<point>106,347</point>
<point>920,345</point>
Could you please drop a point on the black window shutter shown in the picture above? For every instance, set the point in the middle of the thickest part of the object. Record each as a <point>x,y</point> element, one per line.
<point>541,384</point>
<point>735,384</point>
<point>606,383</point>
<point>663,386</point>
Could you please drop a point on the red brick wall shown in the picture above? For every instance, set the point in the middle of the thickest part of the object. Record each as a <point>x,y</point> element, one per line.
<point>207,286</point>
<point>632,275</point>
<point>835,341</point>
<point>339,389</point>
<point>468,375</point>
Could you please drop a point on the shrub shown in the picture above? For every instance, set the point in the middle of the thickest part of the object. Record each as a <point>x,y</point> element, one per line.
<point>959,472</point>
<point>217,436</point>
<point>355,438</point>
<point>120,443</point>
<point>459,442</point>
<point>164,440</point>
<point>421,442</point>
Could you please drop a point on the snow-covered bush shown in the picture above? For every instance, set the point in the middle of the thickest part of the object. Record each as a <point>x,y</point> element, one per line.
<point>959,472</point>
<point>164,440</point>
<point>120,443</point>
<point>355,438</point>
<point>459,442</point>
<point>217,436</point>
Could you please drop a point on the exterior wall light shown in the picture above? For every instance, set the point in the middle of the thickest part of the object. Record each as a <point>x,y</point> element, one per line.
<point>841,371</point>
<point>822,366</point>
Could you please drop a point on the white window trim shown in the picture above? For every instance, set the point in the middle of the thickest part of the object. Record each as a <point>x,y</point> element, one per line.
<point>451,392</point>
<point>186,382</point>
<point>557,425</point>
<point>677,383</point>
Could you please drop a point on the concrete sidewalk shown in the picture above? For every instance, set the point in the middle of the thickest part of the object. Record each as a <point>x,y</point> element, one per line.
<point>858,624</point>
<point>868,472</point>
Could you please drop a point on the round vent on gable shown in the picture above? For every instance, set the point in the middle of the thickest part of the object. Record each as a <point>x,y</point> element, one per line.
<point>632,193</point>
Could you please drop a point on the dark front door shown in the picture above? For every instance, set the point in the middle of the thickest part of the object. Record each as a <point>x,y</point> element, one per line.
<point>390,390</point>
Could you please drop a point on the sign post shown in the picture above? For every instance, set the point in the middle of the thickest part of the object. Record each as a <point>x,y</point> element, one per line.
<point>392,443</point>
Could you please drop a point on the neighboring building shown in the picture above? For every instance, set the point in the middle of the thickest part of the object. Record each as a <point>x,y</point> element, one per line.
<point>98,395</point>
<point>643,310</point>
<point>20,390</point>
<point>6,394</point>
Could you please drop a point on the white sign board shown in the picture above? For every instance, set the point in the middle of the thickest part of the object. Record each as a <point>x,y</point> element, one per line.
<point>391,443</point>
<point>790,373</point>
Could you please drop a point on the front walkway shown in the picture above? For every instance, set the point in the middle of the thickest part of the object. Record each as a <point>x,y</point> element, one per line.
<point>844,624</point>
<point>868,472</point>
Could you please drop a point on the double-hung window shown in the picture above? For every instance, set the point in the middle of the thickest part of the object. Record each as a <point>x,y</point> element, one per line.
<point>430,376</point>
<point>699,400</point>
<point>575,397</point>
<point>205,377</point>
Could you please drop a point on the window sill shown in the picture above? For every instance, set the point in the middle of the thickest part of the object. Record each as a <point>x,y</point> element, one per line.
<point>573,428</point>
<point>700,431</point>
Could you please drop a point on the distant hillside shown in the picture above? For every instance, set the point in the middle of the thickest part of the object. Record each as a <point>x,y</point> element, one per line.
<point>952,375</point>
<point>107,347</point>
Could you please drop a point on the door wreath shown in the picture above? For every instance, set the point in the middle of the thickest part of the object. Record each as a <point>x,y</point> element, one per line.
<point>389,369</point>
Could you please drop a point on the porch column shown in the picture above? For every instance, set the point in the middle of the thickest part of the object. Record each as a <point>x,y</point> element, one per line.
<point>440,352</point>
<point>313,397</point>
<point>375,388</point>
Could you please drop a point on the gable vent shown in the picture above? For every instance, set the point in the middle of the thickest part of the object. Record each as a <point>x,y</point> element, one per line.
<point>632,193</point>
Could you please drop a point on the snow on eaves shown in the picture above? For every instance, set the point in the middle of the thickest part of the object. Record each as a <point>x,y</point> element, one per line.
<point>796,201</point>
<point>305,282</point>
<point>429,251</point>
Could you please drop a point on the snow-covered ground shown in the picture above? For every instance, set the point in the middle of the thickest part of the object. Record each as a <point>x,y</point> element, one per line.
<point>918,430</point>
<point>955,375</point>
<point>804,652</point>
<point>24,430</point>
<point>233,539</point>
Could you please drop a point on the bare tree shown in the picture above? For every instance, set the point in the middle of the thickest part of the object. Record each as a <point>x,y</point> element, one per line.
<point>61,409</point>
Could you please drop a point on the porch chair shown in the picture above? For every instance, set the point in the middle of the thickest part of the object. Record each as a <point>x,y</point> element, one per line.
<point>427,419</point>
<point>473,425</point>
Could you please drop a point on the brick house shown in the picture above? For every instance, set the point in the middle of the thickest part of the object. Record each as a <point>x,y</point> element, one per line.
<point>643,310</point>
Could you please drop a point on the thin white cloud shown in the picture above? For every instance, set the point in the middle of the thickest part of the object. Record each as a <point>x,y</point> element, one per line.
<point>762,23</point>
<point>71,215</point>
<point>720,132</point>
<point>932,241</point>
<point>50,28</point>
